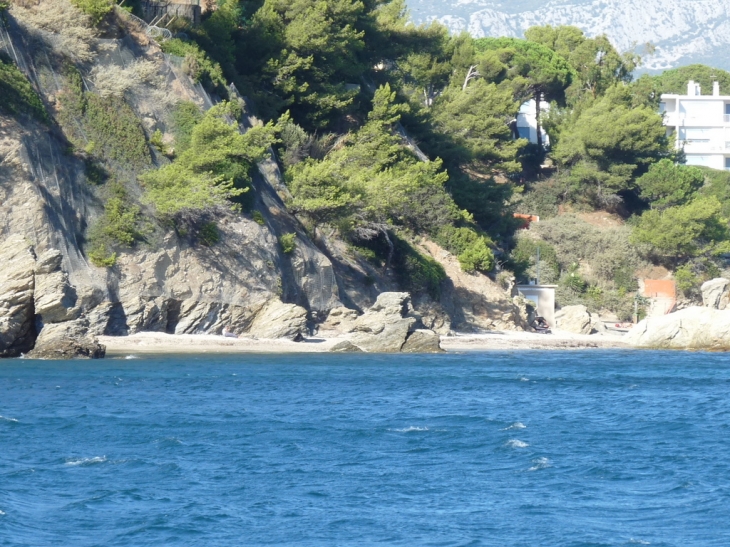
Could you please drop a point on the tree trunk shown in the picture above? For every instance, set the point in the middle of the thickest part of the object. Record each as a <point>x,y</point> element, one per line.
<point>537,118</point>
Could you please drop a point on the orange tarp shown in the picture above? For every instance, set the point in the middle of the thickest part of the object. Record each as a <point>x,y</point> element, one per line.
<point>527,219</point>
<point>657,288</point>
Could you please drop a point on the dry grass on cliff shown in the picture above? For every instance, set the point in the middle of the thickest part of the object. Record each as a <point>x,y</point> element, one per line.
<point>64,27</point>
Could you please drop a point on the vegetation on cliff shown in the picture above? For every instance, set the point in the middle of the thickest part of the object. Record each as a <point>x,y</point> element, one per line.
<point>386,132</point>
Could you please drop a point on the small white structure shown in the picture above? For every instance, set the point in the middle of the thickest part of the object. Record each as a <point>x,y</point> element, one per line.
<point>543,296</point>
<point>699,124</point>
<point>526,124</point>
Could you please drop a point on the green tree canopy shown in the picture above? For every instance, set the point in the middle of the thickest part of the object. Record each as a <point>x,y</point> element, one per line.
<point>685,231</point>
<point>675,80</point>
<point>667,184</point>
<point>371,177</point>
<point>532,70</point>
<point>213,170</point>
<point>596,62</point>
<point>610,143</point>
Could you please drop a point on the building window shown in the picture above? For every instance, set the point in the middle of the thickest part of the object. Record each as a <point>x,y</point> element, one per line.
<point>663,107</point>
<point>727,164</point>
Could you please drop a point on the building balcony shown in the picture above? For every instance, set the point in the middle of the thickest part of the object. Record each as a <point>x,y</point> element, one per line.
<point>705,146</point>
<point>673,119</point>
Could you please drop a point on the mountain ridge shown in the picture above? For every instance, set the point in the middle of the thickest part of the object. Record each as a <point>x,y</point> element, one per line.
<point>693,31</point>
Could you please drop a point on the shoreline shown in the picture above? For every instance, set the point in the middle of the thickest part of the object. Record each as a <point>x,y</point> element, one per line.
<point>160,343</point>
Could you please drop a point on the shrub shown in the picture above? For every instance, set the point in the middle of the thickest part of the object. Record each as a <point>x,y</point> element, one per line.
<point>119,225</point>
<point>197,64</point>
<point>542,199</point>
<point>608,252</point>
<point>112,128</point>
<point>114,80</point>
<point>68,29</point>
<point>96,9</point>
<point>288,243</point>
<point>185,116</point>
<point>524,260</point>
<point>478,257</point>
<point>686,279</point>
<point>258,218</point>
<point>209,234</point>
<point>18,95</point>
<point>369,255</point>
<point>471,248</point>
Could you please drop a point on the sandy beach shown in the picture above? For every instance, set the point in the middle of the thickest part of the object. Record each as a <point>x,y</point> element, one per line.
<point>160,343</point>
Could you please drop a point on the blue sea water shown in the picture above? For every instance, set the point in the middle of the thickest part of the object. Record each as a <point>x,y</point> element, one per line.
<point>503,448</point>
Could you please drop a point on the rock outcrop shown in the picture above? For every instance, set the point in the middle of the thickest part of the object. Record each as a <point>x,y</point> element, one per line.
<point>38,306</point>
<point>17,283</point>
<point>716,293</point>
<point>391,325</point>
<point>279,320</point>
<point>469,302</point>
<point>578,319</point>
<point>690,328</point>
<point>67,340</point>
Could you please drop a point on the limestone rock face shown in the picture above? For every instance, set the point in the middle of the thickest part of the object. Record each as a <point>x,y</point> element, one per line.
<point>67,340</point>
<point>17,284</point>
<point>575,319</point>
<point>691,328</point>
<point>339,320</point>
<point>279,320</point>
<point>422,341</point>
<point>716,293</point>
<point>55,299</point>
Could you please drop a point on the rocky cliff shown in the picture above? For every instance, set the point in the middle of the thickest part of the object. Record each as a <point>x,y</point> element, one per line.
<point>50,291</point>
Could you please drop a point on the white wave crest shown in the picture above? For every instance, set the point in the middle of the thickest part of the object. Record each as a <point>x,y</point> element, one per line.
<point>540,463</point>
<point>639,542</point>
<point>8,419</point>
<point>86,461</point>
<point>131,357</point>
<point>516,425</point>
<point>516,443</point>
<point>524,379</point>
<point>409,429</point>
<point>2,513</point>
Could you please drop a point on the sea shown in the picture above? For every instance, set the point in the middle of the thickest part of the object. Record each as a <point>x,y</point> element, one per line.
<point>508,448</point>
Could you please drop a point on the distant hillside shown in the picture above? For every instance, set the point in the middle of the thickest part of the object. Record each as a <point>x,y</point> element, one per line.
<point>691,31</point>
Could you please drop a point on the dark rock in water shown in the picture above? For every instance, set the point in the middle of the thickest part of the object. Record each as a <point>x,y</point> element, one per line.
<point>345,347</point>
<point>67,340</point>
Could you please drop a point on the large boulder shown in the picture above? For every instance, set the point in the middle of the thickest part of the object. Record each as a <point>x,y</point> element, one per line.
<point>67,340</point>
<point>716,293</point>
<point>17,283</point>
<point>388,326</point>
<point>279,320</point>
<point>691,328</point>
<point>422,341</point>
<point>55,298</point>
<point>576,319</point>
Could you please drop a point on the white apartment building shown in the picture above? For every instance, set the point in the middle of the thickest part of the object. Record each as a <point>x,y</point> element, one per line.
<point>700,124</point>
